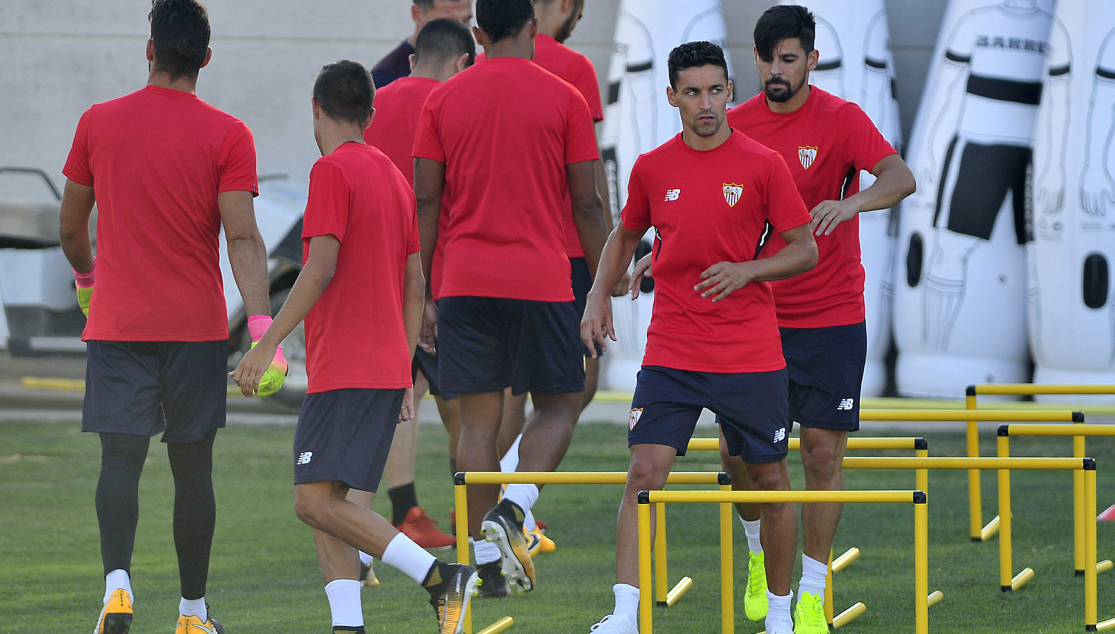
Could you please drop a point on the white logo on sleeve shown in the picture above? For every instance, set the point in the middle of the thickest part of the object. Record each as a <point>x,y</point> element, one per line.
<point>780,435</point>
<point>672,195</point>
<point>304,458</point>
<point>846,404</point>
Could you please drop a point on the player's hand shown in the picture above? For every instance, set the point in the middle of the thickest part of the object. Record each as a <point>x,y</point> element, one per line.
<point>642,269</point>
<point>621,287</point>
<point>249,372</point>
<point>596,325</point>
<point>829,214</point>
<point>427,337</point>
<point>723,278</point>
<point>84,296</point>
<point>407,412</point>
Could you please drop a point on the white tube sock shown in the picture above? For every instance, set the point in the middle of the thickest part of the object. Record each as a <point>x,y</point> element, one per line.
<point>116,580</point>
<point>813,576</point>
<point>751,529</point>
<point>344,602</point>
<point>365,558</point>
<point>486,552</point>
<point>510,460</point>
<point>627,600</point>
<point>522,495</point>
<point>194,607</point>
<point>407,557</point>
<point>779,608</point>
<point>528,522</point>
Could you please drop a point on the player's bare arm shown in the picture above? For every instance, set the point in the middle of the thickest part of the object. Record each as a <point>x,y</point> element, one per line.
<point>588,211</point>
<point>893,182</point>
<point>429,184</point>
<point>798,256</point>
<point>73,225</point>
<point>311,283</point>
<point>247,253</point>
<point>596,325</point>
<point>414,297</point>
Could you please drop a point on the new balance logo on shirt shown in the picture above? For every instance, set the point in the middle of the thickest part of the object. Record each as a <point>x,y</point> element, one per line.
<point>672,194</point>
<point>780,435</point>
<point>304,458</point>
<point>846,404</point>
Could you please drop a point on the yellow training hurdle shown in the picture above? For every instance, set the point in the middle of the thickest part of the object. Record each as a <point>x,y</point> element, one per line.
<point>463,479</point>
<point>726,498</point>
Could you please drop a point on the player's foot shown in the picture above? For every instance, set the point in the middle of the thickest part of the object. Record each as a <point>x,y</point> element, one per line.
<point>780,626</point>
<point>368,575</point>
<point>503,526</point>
<point>451,597</point>
<point>1108,515</point>
<point>809,616</point>
<point>194,625</point>
<point>422,530</point>
<point>755,598</point>
<point>538,543</point>
<point>615,624</point>
<point>116,616</point>
<point>492,585</point>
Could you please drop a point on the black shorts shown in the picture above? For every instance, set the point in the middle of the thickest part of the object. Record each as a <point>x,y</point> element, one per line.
<point>975,180</point>
<point>826,371</point>
<point>486,344</point>
<point>426,363</point>
<point>751,408</point>
<point>345,435</point>
<point>582,284</point>
<point>145,388</point>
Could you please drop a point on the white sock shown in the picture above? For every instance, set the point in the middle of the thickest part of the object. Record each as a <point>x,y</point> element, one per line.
<point>116,580</point>
<point>528,522</point>
<point>194,607</point>
<point>365,558</point>
<point>813,574</point>
<point>522,495</point>
<point>510,460</point>
<point>486,552</point>
<point>779,608</point>
<point>751,529</point>
<point>407,557</point>
<point>344,602</point>
<point>627,600</point>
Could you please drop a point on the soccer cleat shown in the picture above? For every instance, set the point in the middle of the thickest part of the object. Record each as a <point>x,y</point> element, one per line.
<point>809,615</point>
<point>1108,515</point>
<point>540,524</point>
<point>451,597</point>
<point>502,527</point>
<point>422,530</point>
<point>368,575</point>
<point>755,604</point>
<point>780,626</point>
<point>116,616</point>
<point>538,542</point>
<point>615,624</point>
<point>194,625</point>
<point>492,584</point>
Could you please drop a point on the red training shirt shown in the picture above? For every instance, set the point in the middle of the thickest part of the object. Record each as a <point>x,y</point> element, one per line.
<point>707,207</point>
<point>826,143</point>
<point>156,160</point>
<point>355,336</point>
<point>505,130</point>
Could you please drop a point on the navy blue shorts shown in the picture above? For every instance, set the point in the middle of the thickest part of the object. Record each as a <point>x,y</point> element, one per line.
<point>582,284</point>
<point>345,435</point>
<point>144,388</point>
<point>426,363</point>
<point>486,344</point>
<point>751,408</point>
<point>826,371</point>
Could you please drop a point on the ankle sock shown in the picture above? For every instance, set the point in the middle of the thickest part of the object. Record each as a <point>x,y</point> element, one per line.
<point>407,557</point>
<point>751,529</point>
<point>486,552</point>
<point>344,604</point>
<point>521,495</point>
<point>813,576</point>
<point>627,600</point>
<point>116,580</point>
<point>194,607</point>
<point>403,498</point>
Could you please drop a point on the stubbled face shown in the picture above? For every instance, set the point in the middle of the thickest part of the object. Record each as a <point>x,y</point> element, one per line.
<point>459,10</point>
<point>787,72</point>
<point>571,22</point>
<point>702,97</point>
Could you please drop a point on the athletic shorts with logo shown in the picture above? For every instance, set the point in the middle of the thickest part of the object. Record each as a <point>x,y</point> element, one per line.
<point>486,344</point>
<point>751,408</point>
<point>825,367</point>
<point>345,435</point>
<point>144,388</point>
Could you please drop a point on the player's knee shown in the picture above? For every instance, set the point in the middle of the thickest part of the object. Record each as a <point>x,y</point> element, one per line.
<point>822,465</point>
<point>646,474</point>
<point>769,477</point>
<point>311,509</point>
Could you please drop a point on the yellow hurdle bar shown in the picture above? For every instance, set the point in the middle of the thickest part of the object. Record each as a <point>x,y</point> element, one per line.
<point>581,477</point>
<point>1059,430</point>
<point>960,415</point>
<point>1032,389</point>
<point>921,535</point>
<point>1041,464</point>
<point>713,444</point>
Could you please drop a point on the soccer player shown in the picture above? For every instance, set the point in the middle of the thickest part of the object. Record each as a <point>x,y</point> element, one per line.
<point>360,292</point>
<point>167,171</point>
<point>396,64</point>
<point>714,197</point>
<point>444,48</point>
<point>504,143</point>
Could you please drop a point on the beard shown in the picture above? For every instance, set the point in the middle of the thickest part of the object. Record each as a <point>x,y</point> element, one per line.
<point>784,95</point>
<point>567,27</point>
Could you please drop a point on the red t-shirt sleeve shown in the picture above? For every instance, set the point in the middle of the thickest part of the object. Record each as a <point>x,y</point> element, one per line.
<point>237,162</point>
<point>77,166</point>
<point>864,142</point>
<point>580,138</point>
<point>327,205</point>
<point>636,213</point>
<point>584,79</point>
<point>427,142</point>
<point>415,244</point>
<point>785,208</point>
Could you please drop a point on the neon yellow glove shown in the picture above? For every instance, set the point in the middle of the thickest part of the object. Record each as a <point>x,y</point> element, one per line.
<point>272,379</point>
<point>85,287</point>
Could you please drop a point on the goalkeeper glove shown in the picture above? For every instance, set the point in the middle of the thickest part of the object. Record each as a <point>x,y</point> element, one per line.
<point>272,379</point>
<point>85,287</point>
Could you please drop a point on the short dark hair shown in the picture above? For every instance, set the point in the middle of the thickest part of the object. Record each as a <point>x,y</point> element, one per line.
<point>344,90</point>
<point>692,54</point>
<point>180,31</point>
<point>784,22</point>
<point>444,38</point>
<point>501,19</point>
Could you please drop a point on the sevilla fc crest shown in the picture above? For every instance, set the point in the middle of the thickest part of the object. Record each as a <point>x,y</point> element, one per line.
<point>732,192</point>
<point>807,155</point>
<point>636,414</point>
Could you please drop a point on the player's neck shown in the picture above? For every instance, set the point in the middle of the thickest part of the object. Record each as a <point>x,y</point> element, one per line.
<point>511,47</point>
<point>437,73</point>
<point>794,104</point>
<point>706,143</point>
<point>336,133</point>
<point>160,79</point>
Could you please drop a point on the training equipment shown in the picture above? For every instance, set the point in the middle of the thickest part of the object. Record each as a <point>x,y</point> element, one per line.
<point>194,625</point>
<point>755,604</point>
<point>1071,313</point>
<point>116,616</point>
<point>507,533</point>
<point>809,615</point>
<point>273,377</point>
<point>451,602</point>
<point>422,530</point>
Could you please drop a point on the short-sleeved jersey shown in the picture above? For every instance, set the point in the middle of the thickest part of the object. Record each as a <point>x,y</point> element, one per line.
<point>355,336</point>
<point>719,205</point>
<point>506,129</point>
<point>825,143</point>
<point>157,159</point>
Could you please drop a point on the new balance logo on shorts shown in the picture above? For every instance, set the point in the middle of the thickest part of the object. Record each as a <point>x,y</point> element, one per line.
<point>846,404</point>
<point>304,458</point>
<point>780,435</point>
<point>672,194</point>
